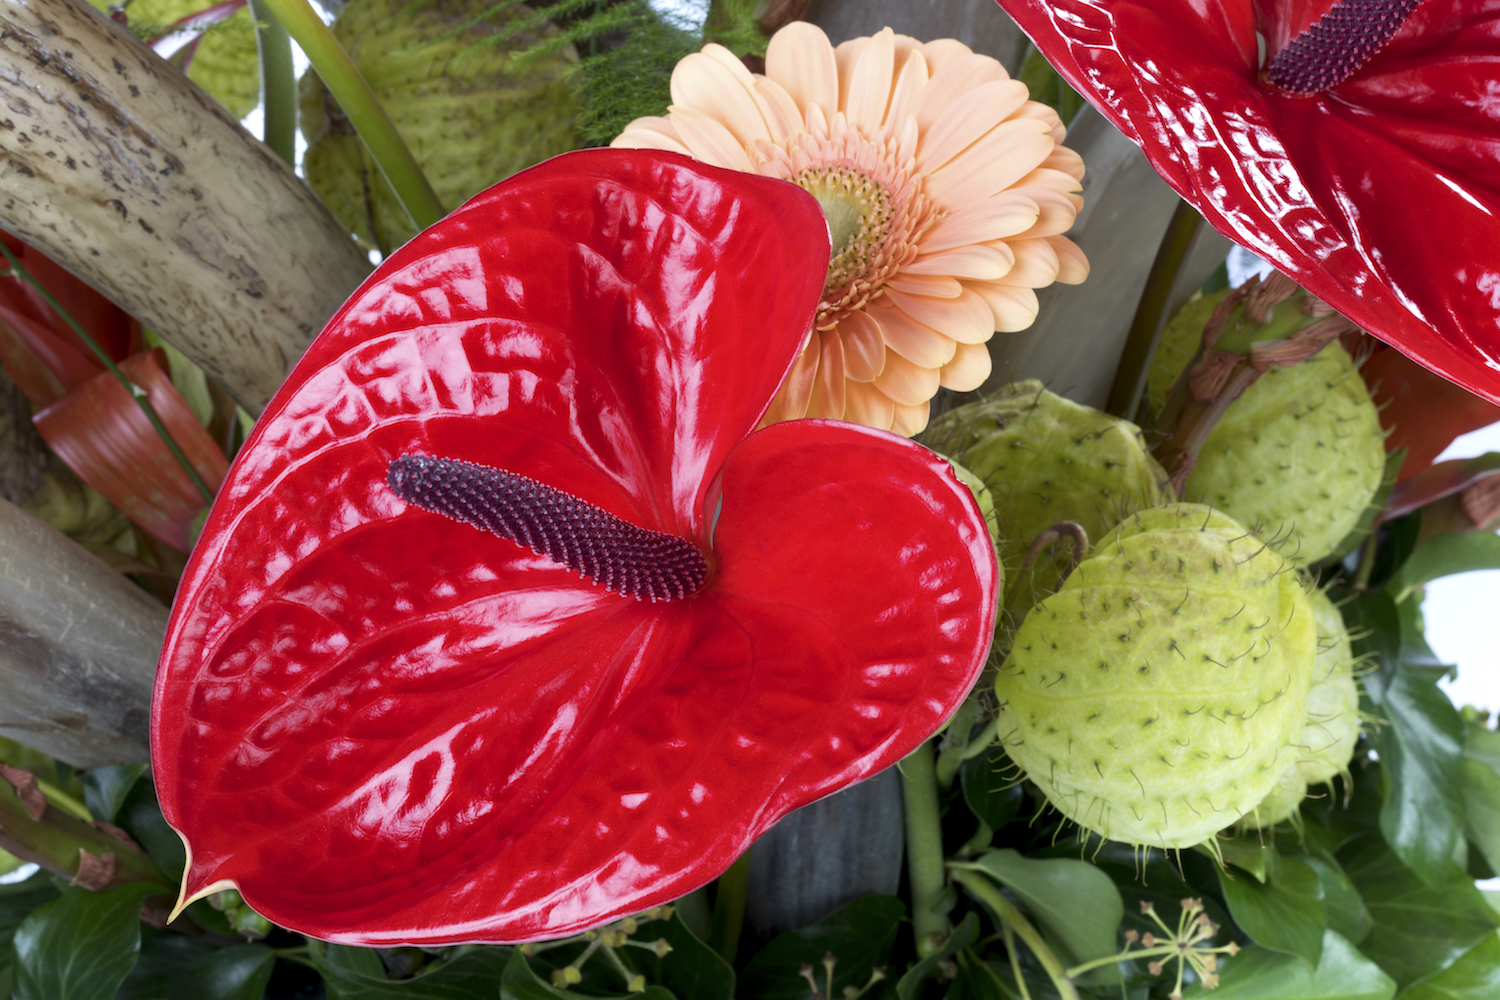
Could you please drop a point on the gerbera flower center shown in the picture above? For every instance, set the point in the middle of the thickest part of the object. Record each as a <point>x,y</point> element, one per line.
<point>634,561</point>
<point>859,211</point>
<point>1338,44</point>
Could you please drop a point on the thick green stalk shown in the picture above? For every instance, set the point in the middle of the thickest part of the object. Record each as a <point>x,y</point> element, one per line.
<point>55,840</point>
<point>278,82</point>
<point>1009,916</point>
<point>135,392</point>
<point>362,108</point>
<point>1151,313</point>
<point>924,847</point>
<point>728,918</point>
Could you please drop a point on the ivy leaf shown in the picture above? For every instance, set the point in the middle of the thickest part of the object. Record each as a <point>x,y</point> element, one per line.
<point>1077,905</point>
<point>909,985</point>
<point>990,787</point>
<point>519,982</point>
<point>105,788</point>
<point>158,969</point>
<point>474,973</point>
<point>1342,973</point>
<point>141,816</point>
<point>1420,745</point>
<point>1285,914</point>
<point>1249,854</point>
<point>1420,928</point>
<point>1476,976</point>
<point>691,969</point>
<point>1445,555</point>
<point>17,901</point>
<point>859,935</point>
<point>1345,909</point>
<point>238,973</point>
<point>1479,776</point>
<point>80,946</point>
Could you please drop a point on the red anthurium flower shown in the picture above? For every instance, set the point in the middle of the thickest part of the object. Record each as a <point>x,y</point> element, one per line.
<point>1359,155</point>
<point>384,720</point>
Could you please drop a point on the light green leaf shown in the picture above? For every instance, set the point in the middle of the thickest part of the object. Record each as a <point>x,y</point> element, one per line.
<point>1076,903</point>
<point>1445,555</point>
<point>1345,909</point>
<point>1476,976</point>
<point>1285,914</point>
<point>1260,974</point>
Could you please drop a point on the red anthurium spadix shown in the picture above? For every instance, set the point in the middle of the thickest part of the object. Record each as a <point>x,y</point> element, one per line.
<point>384,720</point>
<point>1358,154</point>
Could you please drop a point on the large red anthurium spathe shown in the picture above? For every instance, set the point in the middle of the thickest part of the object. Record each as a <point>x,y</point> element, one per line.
<point>385,721</point>
<point>1352,143</point>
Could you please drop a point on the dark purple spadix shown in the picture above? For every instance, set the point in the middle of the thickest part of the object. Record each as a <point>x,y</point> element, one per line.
<point>1338,43</point>
<point>634,561</point>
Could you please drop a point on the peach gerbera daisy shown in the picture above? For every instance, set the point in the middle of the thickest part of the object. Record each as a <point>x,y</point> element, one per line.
<point>946,192</point>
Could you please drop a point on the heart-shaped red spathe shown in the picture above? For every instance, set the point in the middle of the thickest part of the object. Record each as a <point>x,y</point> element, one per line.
<point>1379,195</point>
<point>384,726</point>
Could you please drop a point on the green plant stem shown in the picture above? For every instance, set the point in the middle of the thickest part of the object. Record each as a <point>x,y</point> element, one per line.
<point>1015,960</point>
<point>924,846</point>
<point>1078,970</point>
<point>362,108</point>
<point>53,842</point>
<point>1367,553</point>
<point>1151,312</point>
<point>135,391</point>
<point>729,908</point>
<point>278,82</point>
<point>1006,912</point>
<point>952,758</point>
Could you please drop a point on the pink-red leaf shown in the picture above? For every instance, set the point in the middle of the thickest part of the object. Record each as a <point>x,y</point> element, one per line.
<point>386,726</point>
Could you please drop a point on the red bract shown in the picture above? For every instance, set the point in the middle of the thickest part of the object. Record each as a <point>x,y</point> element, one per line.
<point>384,725</point>
<point>1376,188</point>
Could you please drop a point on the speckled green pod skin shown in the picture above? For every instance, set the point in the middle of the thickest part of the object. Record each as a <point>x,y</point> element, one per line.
<point>471,114</point>
<point>1047,459</point>
<point>1298,456</point>
<point>1281,803</point>
<point>1332,728</point>
<point>1155,698</point>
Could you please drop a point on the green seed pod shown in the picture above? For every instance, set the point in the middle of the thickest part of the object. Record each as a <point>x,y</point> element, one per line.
<point>1047,459</point>
<point>1299,455</point>
<point>1280,804</point>
<point>1332,727</point>
<point>471,110</point>
<point>1155,698</point>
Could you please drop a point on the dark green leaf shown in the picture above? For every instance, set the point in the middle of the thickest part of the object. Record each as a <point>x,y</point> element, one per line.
<point>859,935</point>
<point>991,787</point>
<point>1476,976</point>
<point>1444,555</point>
<point>1248,853</point>
<point>1077,905</point>
<point>1345,909</point>
<point>239,973</point>
<point>473,973</point>
<point>1479,776</point>
<point>158,970</point>
<point>106,788</point>
<point>141,816</point>
<point>1260,974</point>
<point>691,970</point>
<point>962,937</point>
<point>519,982</point>
<point>17,901</point>
<point>1285,914</point>
<point>1420,928</point>
<point>80,946</point>
<point>1420,745</point>
<point>978,980</point>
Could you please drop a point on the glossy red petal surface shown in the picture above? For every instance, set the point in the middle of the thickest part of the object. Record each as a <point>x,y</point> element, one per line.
<point>1379,195</point>
<point>101,432</point>
<point>386,726</point>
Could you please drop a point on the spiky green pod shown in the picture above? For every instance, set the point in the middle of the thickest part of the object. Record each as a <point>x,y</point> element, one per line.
<point>471,111</point>
<point>1047,459</point>
<point>1281,803</point>
<point>1332,727</point>
<point>1155,698</point>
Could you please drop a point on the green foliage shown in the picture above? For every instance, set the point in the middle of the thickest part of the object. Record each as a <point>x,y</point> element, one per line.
<point>1284,913</point>
<point>1476,976</point>
<point>80,946</point>
<point>1076,904</point>
<point>860,936</point>
<point>633,79</point>
<point>1341,973</point>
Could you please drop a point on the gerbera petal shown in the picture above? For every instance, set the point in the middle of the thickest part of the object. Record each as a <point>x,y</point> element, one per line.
<point>1052,180</point>
<point>1037,111</point>
<point>967,121</point>
<point>953,79</point>
<point>846,55</point>
<point>864,348</point>
<point>905,382</point>
<point>800,58</point>
<point>1037,264</point>
<point>965,318</point>
<point>985,263</point>
<point>708,140</point>
<point>968,369</point>
<point>1056,212</point>
<point>731,62</point>
<point>782,116</point>
<point>870,84</point>
<point>941,51</point>
<point>1009,213</point>
<point>1066,160</point>
<point>938,283</point>
<point>909,83</point>
<point>910,338</point>
<point>910,421</point>
<point>790,401</point>
<point>867,405</point>
<point>1009,152</point>
<point>1074,265</point>
<point>705,84</point>
<point>1014,308</point>
<point>828,388</point>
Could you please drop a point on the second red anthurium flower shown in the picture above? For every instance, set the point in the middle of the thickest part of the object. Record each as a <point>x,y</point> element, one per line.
<point>1352,143</point>
<point>502,628</point>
